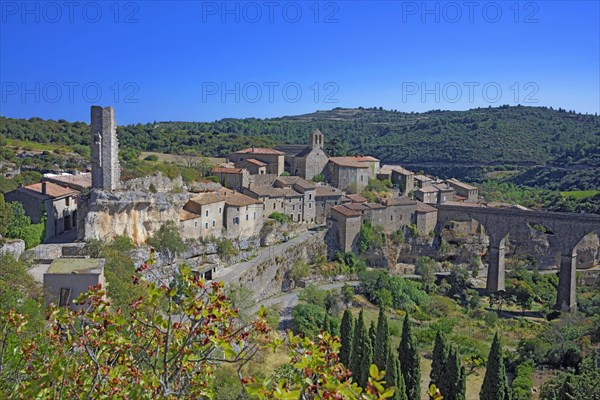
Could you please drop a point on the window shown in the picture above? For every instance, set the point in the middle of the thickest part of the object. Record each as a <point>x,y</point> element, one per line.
<point>65,296</point>
<point>293,208</point>
<point>310,196</point>
<point>247,217</point>
<point>206,213</point>
<point>273,206</point>
<point>220,210</point>
<point>254,214</point>
<point>391,217</point>
<point>309,205</point>
<point>67,201</point>
<point>206,225</point>
<point>246,208</point>
<point>195,223</point>
<point>236,220</point>
<point>361,178</point>
<point>214,224</point>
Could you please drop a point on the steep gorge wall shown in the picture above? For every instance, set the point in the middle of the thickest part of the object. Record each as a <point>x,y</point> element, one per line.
<point>104,215</point>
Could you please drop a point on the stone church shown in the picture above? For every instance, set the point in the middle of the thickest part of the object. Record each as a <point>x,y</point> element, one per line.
<point>306,161</point>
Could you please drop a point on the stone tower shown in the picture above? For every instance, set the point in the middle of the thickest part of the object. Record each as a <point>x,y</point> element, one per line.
<point>105,149</point>
<point>315,139</point>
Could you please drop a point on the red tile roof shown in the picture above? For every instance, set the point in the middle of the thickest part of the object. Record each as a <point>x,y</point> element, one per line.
<point>259,150</point>
<point>256,162</point>
<point>222,170</point>
<point>345,211</point>
<point>425,208</point>
<point>352,162</point>
<point>239,200</point>
<point>357,198</point>
<point>53,190</point>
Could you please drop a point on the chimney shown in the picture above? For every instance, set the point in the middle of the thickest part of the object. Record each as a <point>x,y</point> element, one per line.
<point>43,187</point>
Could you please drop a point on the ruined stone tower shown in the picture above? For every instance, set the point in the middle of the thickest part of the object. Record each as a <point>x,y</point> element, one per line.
<point>105,149</point>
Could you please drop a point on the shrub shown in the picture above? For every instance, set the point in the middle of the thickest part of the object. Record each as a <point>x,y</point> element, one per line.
<point>151,157</point>
<point>280,217</point>
<point>318,178</point>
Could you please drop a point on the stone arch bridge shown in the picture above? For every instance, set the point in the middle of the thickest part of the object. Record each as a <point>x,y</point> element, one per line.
<point>564,232</point>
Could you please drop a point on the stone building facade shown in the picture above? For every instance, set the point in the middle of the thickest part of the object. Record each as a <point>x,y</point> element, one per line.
<point>273,159</point>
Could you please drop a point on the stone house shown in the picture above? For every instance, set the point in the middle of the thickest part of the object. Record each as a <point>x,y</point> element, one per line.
<point>398,213</point>
<point>401,178</point>
<point>232,178</point>
<point>254,166</point>
<point>326,197</point>
<point>445,192</point>
<point>422,181</point>
<point>428,194</point>
<point>202,216</point>
<point>466,192</point>
<point>349,173</point>
<point>243,216</point>
<point>58,203</point>
<point>307,190</point>
<point>345,224</point>
<point>273,159</point>
<point>306,161</point>
<point>67,278</point>
<point>425,218</point>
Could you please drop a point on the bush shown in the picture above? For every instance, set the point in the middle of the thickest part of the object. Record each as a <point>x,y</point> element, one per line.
<point>523,382</point>
<point>280,217</point>
<point>318,178</point>
<point>307,319</point>
<point>225,248</point>
<point>371,237</point>
<point>151,157</point>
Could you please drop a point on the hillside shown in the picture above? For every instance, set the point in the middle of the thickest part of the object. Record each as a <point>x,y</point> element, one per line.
<point>552,149</point>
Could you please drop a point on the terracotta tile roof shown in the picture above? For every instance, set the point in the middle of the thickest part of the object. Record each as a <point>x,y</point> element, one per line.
<point>398,201</point>
<point>345,211</point>
<point>256,162</point>
<point>327,191</point>
<point>422,178</point>
<point>357,198</point>
<point>425,208</point>
<point>429,189</point>
<point>266,190</point>
<point>75,181</point>
<point>185,215</point>
<point>357,206</point>
<point>374,206</point>
<point>296,180</point>
<point>224,191</point>
<point>291,149</point>
<point>387,170</point>
<point>442,187</point>
<point>456,182</point>
<point>52,190</point>
<point>194,205</point>
<point>239,200</point>
<point>352,162</point>
<point>259,150</point>
<point>222,170</point>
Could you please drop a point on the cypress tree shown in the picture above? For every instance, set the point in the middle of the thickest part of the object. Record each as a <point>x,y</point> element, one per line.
<point>393,376</point>
<point>452,385</point>
<point>360,333</point>
<point>462,385</point>
<point>495,386</point>
<point>382,341</point>
<point>372,334</point>
<point>365,361</point>
<point>438,360</point>
<point>408,355</point>
<point>325,326</point>
<point>346,334</point>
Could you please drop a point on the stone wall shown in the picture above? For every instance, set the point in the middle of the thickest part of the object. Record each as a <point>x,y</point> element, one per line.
<point>16,247</point>
<point>271,277</point>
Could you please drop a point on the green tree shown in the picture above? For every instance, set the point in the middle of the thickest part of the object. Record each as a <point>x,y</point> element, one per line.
<point>346,335</point>
<point>408,355</point>
<point>365,362</point>
<point>372,333</point>
<point>438,359</point>
<point>168,240</point>
<point>452,384</point>
<point>382,341</point>
<point>362,352</point>
<point>394,376</point>
<point>495,386</point>
<point>6,216</point>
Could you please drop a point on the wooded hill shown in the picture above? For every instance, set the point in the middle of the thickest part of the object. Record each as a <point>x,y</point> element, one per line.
<point>553,149</point>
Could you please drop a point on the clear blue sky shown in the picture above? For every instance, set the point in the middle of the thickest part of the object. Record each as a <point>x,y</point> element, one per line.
<point>201,61</point>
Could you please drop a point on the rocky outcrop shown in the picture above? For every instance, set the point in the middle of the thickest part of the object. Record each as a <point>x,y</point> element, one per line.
<point>588,252</point>
<point>156,183</point>
<point>16,247</point>
<point>137,214</point>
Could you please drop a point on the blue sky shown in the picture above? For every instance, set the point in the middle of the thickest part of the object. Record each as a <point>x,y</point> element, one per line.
<point>201,61</point>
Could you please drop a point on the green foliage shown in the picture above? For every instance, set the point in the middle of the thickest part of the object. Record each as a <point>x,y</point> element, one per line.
<point>225,248</point>
<point>311,294</point>
<point>408,355</point>
<point>394,376</point>
<point>370,237</point>
<point>362,352</point>
<point>318,178</point>
<point>406,294</point>
<point>21,227</point>
<point>413,230</point>
<point>346,336</point>
<point>382,341</point>
<point>307,319</point>
<point>6,216</point>
<point>426,267</point>
<point>299,271</point>
<point>439,356</point>
<point>571,385</point>
<point>280,217</point>
<point>168,240</point>
<point>523,382</point>
<point>495,386</point>
<point>151,157</point>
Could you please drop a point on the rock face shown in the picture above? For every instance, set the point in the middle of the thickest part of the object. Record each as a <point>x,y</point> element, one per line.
<point>15,247</point>
<point>160,183</point>
<point>588,252</point>
<point>104,215</point>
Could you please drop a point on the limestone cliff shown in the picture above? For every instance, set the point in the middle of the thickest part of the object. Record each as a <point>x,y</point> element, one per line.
<point>104,215</point>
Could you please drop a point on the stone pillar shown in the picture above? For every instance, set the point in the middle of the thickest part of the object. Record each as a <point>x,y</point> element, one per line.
<point>566,299</point>
<point>495,274</point>
<point>105,149</point>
